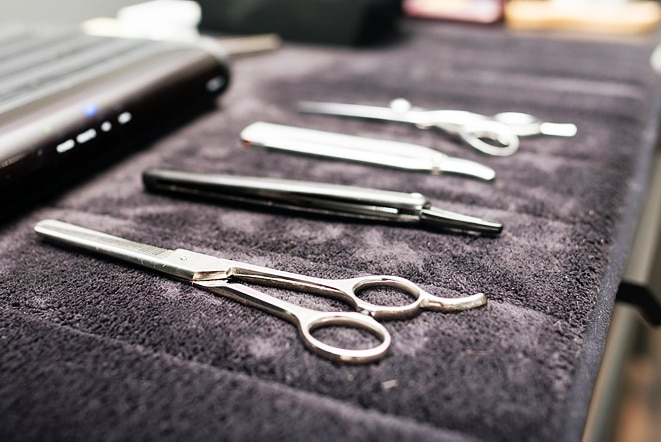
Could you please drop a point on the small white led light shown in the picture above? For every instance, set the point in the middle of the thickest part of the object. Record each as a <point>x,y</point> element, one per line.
<point>84,137</point>
<point>65,145</point>
<point>124,117</point>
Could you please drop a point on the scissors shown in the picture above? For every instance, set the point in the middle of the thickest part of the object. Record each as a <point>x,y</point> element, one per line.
<point>496,135</point>
<point>220,276</point>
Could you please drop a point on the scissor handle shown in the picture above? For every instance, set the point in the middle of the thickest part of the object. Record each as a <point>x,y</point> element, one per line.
<point>501,140</point>
<point>478,131</point>
<point>422,299</point>
<point>311,320</point>
<point>348,290</point>
<point>308,320</point>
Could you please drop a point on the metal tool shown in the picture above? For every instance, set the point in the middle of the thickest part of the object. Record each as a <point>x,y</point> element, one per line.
<point>494,135</point>
<point>220,276</point>
<point>318,198</point>
<point>373,151</point>
<point>527,125</point>
<point>487,136</point>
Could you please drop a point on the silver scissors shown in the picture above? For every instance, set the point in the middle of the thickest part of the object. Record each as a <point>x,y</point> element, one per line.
<point>496,135</point>
<point>220,276</point>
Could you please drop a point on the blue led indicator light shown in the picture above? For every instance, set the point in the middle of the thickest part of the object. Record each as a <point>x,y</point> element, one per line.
<point>90,109</point>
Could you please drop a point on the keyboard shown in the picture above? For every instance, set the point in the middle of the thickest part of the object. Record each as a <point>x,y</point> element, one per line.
<point>69,101</point>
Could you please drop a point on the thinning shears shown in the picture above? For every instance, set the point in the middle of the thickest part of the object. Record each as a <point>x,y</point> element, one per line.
<point>222,276</point>
<point>493,135</point>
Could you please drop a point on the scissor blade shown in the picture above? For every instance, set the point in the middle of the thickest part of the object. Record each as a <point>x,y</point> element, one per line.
<point>180,263</point>
<point>355,111</point>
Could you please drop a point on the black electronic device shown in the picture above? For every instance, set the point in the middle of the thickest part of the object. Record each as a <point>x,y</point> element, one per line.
<point>343,22</point>
<point>69,101</point>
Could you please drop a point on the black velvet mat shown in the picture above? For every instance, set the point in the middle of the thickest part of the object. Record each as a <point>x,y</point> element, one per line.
<point>93,349</point>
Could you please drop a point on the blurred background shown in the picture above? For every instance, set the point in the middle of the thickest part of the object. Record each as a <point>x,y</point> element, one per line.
<point>627,402</point>
<point>64,11</point>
